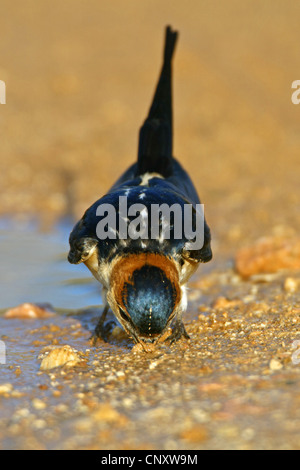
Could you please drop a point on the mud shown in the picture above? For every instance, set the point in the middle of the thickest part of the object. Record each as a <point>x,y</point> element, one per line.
<point>233,385</point>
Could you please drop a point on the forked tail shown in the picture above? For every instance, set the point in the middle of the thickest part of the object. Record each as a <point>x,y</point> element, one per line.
<point>156,135</point>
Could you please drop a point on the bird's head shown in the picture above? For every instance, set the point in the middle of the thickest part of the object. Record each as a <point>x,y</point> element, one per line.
<point>144,294</point>
<point>81,249</point>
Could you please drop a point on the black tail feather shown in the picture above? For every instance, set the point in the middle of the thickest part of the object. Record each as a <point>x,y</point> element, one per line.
<point>156,135</point>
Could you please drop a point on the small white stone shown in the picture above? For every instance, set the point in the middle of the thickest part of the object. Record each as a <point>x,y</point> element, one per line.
<point>5,388</point>
<point>291,284</point>
<point>275,364</point>
<point>38,404</point>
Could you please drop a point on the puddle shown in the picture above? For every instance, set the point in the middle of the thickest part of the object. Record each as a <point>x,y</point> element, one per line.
<point>34,268</point>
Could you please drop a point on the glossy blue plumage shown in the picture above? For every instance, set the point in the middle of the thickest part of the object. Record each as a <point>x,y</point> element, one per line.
<point>144,278</point>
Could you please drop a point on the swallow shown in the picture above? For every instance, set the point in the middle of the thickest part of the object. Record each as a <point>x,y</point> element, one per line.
<point>144,274</point>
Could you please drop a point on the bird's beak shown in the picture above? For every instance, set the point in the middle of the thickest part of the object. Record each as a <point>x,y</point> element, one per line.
<point>74,257</point>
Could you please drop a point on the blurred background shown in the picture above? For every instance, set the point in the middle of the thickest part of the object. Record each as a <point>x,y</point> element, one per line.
<point>80,76</point>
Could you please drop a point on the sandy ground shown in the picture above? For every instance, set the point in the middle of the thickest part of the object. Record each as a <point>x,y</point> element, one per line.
<point>80,77</point>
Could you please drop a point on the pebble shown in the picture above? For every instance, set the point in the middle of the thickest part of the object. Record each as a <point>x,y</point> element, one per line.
<point>291,284</point>
<point>6,388</point>
<point>268,255</point>
<point>106,413</point>
<point>38,404</point>
<point>28,310</point>
<point>39,424</point>
<point>196,434</point>
<point>58,356</point>
<point>223,303</point>
<point>275,364</point>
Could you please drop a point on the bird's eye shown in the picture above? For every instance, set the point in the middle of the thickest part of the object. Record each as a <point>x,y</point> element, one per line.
<point>85,254</point>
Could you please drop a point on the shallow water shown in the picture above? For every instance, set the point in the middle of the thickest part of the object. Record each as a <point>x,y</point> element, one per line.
<point>34,268</point>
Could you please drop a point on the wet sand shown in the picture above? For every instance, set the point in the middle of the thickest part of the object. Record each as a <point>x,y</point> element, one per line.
<point>234,385</point>
<point>80,77</point>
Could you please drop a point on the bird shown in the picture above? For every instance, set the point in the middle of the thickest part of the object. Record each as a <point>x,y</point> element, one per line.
<point>142,262</point>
